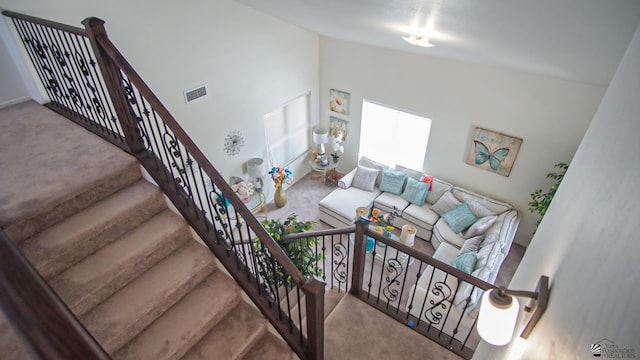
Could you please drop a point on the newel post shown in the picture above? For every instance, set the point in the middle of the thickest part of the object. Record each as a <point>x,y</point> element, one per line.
<point>113,81</point>
<point>359,251</point>
<point>314,296</point>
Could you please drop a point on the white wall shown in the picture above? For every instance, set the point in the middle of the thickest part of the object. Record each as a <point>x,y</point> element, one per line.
<point>251,62</point>
<point>588,244</point>
<point>13,89</point>
<point>551,115</point>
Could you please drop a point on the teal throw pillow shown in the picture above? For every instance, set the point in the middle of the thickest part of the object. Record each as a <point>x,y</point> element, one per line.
<point>465,262</point>
<point>415,192</point>
<point>392,181</point>
<point>459,218</point>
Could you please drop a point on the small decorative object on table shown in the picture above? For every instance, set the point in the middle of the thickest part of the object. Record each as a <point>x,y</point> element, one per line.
<point>383,219</point>
<point>280,175</point>
<point>244,190</point>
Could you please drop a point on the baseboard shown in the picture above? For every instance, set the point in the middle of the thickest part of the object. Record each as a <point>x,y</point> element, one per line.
<point>14,101</point>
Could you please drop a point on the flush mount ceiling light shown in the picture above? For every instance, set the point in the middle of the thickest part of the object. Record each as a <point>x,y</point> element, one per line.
<point>416,40</point>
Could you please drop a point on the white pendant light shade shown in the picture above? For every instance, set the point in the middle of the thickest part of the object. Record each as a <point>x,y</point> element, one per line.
<point>496,322</point>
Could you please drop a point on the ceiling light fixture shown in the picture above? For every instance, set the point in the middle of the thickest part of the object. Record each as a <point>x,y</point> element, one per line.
<point>416,40</point>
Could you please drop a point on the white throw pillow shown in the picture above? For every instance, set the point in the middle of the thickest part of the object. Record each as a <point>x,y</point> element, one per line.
<point>447,202</point>
<point>478,209</point>
<point>471,245</point>
<point>480,226</point>
<point>365,178</point>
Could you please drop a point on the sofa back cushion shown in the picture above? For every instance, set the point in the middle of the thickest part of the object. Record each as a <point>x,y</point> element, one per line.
<point>438,188</point>
<point>497,207</point>
<point>366,162</point>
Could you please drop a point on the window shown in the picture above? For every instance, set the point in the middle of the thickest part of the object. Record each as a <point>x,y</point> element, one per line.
<point>392,137</point>
<point>287,130</point>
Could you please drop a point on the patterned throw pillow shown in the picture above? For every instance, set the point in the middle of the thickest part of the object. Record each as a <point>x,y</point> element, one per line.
<point>460,218</point>
<point>365,178</point>
<point>415,192</point>
<point>392,181</point>
<point>465,262</point>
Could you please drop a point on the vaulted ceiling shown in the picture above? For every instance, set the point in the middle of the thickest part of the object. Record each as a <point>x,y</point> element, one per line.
<point>580,40</point>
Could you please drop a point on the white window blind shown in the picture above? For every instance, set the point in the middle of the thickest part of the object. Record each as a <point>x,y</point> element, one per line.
<point>392,137</point>
<point>287,130</point>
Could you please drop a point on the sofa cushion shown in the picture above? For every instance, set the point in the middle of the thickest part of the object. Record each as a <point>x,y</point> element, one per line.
<point>421,216</point>
<point>471,245</point>
<point>392,181</point>
<point>388,202</point>
<point>341,204</point>
<point>460,218</point>
<point>438,188</point>
<point>365,178</point>
<point>480,226</point>
<point>497,207</point>
<point>447,202</point>
<point>366,162</point>
<point>478,209</point>
<point>414,174</point>
<point>468,291</point>
<point>415,192</point>
<point>465,262</point>
<point>444,233</point>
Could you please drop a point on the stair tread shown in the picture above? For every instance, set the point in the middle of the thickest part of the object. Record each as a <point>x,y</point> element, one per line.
<point>232,337</point>
<point>123,315</point>
<point>97,276</point>
<point>182,326</point>
<point>269,348</point>
<point>45,149</point>
<point>80,235</point>
<point>10,346</point>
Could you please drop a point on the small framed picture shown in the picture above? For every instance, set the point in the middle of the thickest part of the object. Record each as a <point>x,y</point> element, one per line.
<point>493,151</point>
<point>338,128</point>
<point>339,101</point>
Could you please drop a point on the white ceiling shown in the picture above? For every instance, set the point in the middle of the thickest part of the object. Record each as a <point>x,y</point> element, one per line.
<point>581,40</point>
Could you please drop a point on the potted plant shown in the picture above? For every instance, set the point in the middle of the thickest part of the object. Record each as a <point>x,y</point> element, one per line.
<point>540,201</point>
<point>302,252</point>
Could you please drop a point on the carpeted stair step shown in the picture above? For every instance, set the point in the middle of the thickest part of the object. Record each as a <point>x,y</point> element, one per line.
<point>95,278</point>
<point>10,347</point>
<point>126,313</point>
<point>66,243</point>
<point>269,347</point>
<point>54,169</point>
<point>232,337</point>
<point>184,324</point>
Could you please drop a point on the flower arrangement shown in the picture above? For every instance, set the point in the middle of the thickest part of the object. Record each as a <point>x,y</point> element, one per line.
<point>382,219</point>
<point>337,146</point>
<point>280,175</point>
<point>244,189</point>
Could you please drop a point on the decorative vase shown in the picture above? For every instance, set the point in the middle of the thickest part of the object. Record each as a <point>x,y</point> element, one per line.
<point>280,197</point>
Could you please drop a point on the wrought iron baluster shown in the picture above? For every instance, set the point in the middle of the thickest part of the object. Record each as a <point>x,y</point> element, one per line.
<point>24,37</point>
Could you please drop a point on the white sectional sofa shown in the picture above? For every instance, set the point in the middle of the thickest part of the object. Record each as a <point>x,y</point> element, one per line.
<point>489,237</point>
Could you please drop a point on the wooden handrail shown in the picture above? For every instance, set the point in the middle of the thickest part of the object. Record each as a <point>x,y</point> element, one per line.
<point>49,329</point>
<point>56,25</point>
<point>321,232</point>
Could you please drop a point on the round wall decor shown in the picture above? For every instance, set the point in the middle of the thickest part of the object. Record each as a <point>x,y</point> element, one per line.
<point>233,142</point>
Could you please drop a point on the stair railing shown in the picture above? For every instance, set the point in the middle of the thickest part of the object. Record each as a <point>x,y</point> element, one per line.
<point>89,81</point>
<point>384,273</point>
<point>42,320</point>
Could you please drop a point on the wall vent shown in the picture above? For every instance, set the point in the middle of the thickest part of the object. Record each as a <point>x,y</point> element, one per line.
<point>196,93</point>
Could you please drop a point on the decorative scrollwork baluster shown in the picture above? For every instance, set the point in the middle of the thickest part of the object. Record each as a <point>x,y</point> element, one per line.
<point>394,270</point>
<point>340,262</point>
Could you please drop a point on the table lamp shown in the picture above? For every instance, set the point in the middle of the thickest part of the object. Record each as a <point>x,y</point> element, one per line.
<point>256,170</point>
<point>321,137</point>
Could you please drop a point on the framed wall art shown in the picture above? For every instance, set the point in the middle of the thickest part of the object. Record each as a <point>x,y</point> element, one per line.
<point>337,127</point>
<point>339,101</point>
<point>493,151</point>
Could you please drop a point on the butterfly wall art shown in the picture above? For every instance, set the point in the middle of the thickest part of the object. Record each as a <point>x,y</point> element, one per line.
<point>493,151</point>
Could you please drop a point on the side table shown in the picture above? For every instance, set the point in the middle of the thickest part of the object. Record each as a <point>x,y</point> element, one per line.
<point>325,171</point>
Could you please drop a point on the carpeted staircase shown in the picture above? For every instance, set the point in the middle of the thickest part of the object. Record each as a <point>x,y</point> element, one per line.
<point>105,240</point>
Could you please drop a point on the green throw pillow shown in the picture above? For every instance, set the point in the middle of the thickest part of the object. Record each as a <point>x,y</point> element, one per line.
<point>465,262</point>
<point>392,181</point>
<point>459,218</point>
<point>415,192</point>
